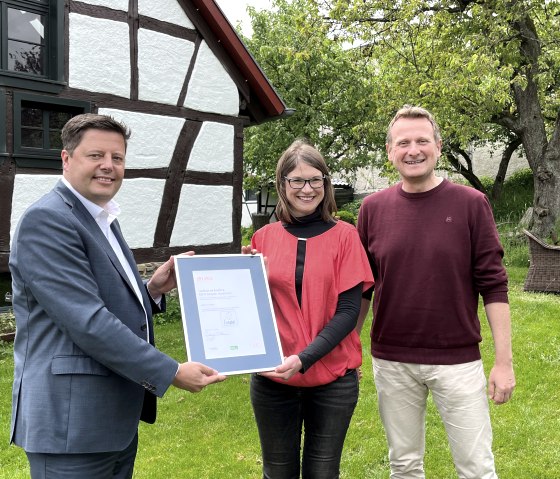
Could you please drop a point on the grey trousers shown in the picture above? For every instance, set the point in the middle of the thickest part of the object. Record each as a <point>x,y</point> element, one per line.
<point>103,465</point>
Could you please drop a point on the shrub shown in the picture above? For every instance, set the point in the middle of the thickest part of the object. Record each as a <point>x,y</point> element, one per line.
<point>246,235</point>
<point>7,322</point>
<point>172,311</point>
<point>516,250</point>
<point>347,216</point>
<point>352,207</point>
<point>487,183</point>
<point>521,179</point>
<point>516,197</point>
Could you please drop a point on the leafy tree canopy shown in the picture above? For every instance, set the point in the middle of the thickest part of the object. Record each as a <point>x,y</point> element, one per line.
<point>461,59</point>
<point>325,83</point>
<point>488,70</point>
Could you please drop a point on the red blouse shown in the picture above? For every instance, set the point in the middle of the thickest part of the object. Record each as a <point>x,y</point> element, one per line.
<point>335,261</point>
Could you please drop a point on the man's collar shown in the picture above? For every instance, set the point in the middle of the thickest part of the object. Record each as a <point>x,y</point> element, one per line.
<point>112,207</point>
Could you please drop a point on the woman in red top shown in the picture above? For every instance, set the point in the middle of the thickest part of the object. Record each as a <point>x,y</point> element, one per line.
<point>317,270</point>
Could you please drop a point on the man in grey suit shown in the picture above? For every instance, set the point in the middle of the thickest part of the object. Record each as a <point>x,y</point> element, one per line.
<point>86,371</point>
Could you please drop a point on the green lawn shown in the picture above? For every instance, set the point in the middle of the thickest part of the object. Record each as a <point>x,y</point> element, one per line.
<point>212,434</point>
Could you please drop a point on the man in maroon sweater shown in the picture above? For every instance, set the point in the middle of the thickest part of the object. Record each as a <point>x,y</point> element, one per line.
<point>434,248</point>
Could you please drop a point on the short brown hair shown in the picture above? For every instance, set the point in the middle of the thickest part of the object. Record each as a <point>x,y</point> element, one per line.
<point>410,111</point>
<point>301,151</point>
<point>74,129</point>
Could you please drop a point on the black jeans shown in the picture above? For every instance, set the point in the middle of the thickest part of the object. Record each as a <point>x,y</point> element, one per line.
<point>323,411</point>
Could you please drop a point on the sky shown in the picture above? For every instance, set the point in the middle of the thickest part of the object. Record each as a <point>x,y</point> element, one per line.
<point>235,10</point>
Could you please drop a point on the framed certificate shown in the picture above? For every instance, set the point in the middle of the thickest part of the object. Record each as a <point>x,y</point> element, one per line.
<point>227,312</point>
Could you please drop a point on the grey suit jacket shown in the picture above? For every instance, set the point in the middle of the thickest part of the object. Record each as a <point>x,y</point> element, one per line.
<point>82,362</point>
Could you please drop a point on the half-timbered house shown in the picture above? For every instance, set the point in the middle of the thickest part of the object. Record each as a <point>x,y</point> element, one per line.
<point>174,71</point>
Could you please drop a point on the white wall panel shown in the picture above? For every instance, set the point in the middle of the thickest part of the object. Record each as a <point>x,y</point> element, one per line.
<point>213,149</point>
<point>99,55</point>
<point>153,138</point>
<point>204,216</point>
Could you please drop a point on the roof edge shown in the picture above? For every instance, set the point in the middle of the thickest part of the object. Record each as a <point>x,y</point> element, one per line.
<point>273,105</point>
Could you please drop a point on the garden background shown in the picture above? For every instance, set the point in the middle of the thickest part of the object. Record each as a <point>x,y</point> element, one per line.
<point>213,435</point>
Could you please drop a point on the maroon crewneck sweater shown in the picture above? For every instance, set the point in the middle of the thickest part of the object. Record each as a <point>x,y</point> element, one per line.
<point>432,255</point>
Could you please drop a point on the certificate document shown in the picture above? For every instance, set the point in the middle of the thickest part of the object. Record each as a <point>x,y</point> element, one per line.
<point>226,301</point>
<point>227,313</point>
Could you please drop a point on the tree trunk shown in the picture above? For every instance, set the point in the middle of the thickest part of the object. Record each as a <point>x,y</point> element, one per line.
<point>259,220</point>
<point>502,170</point>
<point>546,200</point>
<point>543,155</point>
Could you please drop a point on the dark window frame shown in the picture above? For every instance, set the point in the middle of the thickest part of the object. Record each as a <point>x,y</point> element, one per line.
<point>250,196</point>
<point>53,79</point>
<point>40,157</point>
<point>3,145</point>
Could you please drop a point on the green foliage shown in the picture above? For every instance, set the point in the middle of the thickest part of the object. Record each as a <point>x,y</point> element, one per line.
<point>172,311</point>
<point>484,69</point>
<point>246,235</point>
<point>353,207</point>
<point>326,84</point>
<point>7,323</point>
<point>487,182</point>
<point>521,180</point>
<point>516,197</point>
<point>487,70</point>
<point>516,251</point>
<point>346,216</point>
<point>459,62</point>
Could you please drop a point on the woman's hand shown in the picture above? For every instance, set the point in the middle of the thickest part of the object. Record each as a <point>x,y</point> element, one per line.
<point>290,366</point>
<point>248,250</point>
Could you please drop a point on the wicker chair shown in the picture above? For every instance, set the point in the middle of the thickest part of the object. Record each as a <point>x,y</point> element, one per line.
<point>544,268</point>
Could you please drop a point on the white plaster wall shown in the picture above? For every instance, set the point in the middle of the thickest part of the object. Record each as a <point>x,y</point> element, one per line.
<point>204,216</point>
<point>114,4</point>
<point>211,89</point>
<point>368,180</point>
<point>249,208</point>
<point>163,62</point>
<point>213,148</point>
<point>153,137</point>
<point>165,10</point>
<point>99,55</point>
<point>140,202</point>
<point>27,190</point>
<point>486,160</point>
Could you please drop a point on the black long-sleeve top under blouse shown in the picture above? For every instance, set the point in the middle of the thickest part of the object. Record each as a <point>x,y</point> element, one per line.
<point>349,301</point>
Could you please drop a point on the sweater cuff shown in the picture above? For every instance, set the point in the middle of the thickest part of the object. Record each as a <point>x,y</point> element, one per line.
<point>497,297</point>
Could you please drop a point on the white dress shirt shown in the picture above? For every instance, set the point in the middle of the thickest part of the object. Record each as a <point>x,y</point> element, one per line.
<point>104,217</point>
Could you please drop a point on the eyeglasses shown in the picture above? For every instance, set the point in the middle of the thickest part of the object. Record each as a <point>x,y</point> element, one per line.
<point>299,183</point>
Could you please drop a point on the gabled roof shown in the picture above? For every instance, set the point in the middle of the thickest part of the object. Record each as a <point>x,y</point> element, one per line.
<point>262,103</point>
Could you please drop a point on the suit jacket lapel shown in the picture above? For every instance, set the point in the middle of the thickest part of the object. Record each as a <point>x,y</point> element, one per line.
<point>116,228</point>
<point>83,215</point>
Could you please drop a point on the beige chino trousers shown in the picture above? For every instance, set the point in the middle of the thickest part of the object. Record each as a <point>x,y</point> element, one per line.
<point>459,393</point>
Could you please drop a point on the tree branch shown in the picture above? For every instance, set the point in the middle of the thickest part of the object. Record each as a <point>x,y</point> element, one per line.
<point>502,169</point>
<point>467,173</point>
